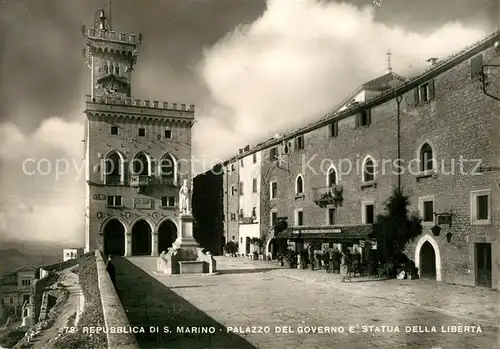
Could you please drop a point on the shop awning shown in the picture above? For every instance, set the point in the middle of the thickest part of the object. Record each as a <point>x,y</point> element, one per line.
<point>338,234</point>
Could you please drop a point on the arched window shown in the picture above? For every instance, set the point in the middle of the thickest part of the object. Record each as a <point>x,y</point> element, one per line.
<point>331,179</point>
<point>140,165</point>
<point>369,170</point>
<point>105,68</point>
<point>114,168</point>
<point>426,158</point>
<point>299,185</point>
<point>117,70</point>
<point>168,169</point>
<point>111,68</point>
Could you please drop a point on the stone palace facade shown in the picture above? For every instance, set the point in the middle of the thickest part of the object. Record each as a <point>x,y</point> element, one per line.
<point>137,153</point>
<point>443,126</point>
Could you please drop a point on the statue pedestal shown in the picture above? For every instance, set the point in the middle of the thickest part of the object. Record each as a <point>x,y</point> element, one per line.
<point>185,240</point>
<point>185,249</point>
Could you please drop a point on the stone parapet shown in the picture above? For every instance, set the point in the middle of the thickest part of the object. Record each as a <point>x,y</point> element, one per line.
<point>94,33</point>
<point>139,103</point>
<point>114,314</point>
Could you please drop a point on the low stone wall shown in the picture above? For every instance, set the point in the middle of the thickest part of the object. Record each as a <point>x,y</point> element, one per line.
<point>40,286</point>
<point>114,314</point>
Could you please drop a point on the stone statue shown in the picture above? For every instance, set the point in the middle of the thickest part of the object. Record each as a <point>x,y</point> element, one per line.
<point>184,198</point>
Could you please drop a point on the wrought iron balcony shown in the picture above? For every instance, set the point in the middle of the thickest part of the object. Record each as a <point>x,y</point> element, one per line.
<point>328,195</point>
<point>140,180</point>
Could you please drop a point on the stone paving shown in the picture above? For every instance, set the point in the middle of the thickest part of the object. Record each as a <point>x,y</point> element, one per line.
<point>275,307</point>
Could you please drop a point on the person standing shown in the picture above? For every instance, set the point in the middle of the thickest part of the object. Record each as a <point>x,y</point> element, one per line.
<point>110,268</point>
<point>344,269</point>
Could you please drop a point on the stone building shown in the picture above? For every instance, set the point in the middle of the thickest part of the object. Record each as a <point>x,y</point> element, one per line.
<point>435,135</point>
<point>17,290</point>
<point>242,186</point>
<point>208,210</point>
<point>231,200</point>
<point>137,153</point>
<point>72,253</point>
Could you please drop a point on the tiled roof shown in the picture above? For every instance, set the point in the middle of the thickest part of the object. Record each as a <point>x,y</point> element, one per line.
<point>382,83</point>
<point>25,268</point>
<point>442,65</point>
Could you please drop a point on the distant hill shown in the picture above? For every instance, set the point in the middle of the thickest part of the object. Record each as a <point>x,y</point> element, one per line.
<point>14,255</point>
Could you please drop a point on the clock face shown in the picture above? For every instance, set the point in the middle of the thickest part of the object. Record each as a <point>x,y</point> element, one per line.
<point>112,88</point>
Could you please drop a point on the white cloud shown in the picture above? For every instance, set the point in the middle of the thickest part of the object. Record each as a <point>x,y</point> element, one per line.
<point>300,58</point>
<point>48,205</point>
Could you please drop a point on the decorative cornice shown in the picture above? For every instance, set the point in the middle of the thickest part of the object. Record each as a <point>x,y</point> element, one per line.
<point>141,119</point>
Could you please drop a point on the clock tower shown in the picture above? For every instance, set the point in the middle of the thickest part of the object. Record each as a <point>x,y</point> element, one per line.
<point>111,58</point>
<point>137,152</point>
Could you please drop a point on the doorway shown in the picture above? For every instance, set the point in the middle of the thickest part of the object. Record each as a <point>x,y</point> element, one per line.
<point>167,233</point>
<point>483,264</point>
<point>114,238</point>
<point>247,246</point>
<point>427,261</point>
<point>141,239</point>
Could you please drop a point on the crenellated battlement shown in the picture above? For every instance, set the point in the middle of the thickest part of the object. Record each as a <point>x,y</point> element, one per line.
<point>93,33</point>
<point>140,103</point>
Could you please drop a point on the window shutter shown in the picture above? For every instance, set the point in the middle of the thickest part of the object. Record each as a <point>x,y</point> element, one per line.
<point>432,89</point>
<point>296,144</point>
<point>368,117</point>
<point>476,66</point>
<point>416,96</point>
<point>357,118</point>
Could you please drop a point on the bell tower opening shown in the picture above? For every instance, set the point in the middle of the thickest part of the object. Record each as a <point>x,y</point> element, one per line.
<point>110,56</point>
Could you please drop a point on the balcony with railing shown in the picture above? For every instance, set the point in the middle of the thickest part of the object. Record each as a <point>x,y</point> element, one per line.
<point>328,195</point>
<point>140,181</point>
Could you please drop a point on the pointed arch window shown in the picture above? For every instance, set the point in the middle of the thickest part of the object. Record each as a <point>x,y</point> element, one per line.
<point>168,169</point>
<point>105,68</point>
<point>141,165</point>
<point>426,158</point>
<point>117,70</point>
<point>369,170</point>
<point>299,185</point>
<point>114,169</point>
<point>331,178</point>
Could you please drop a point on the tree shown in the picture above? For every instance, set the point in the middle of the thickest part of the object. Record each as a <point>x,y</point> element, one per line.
<point>231,247</point>
<point>396,227</point>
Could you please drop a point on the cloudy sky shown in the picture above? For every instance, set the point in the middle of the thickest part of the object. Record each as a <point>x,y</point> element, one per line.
<point>253,68</point>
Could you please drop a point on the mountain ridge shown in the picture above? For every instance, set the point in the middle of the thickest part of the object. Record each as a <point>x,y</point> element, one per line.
<point>17,254</point>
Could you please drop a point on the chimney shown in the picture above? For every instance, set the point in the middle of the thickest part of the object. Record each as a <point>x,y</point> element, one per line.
<point>247,148</point>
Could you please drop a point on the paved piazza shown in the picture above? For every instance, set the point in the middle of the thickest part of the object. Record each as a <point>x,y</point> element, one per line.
<point>255,296</point>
